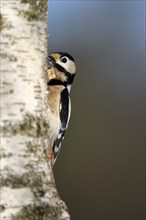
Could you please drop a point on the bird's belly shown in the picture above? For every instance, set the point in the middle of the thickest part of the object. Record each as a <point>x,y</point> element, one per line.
<point>54,112</point>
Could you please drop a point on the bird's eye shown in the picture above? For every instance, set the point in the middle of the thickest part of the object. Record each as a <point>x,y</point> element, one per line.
<point>64,59</point>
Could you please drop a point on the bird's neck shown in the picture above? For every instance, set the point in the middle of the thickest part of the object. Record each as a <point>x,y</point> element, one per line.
<point>56,82</point>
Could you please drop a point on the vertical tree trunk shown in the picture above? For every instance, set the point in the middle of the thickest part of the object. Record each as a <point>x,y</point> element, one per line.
<point>27,185</point>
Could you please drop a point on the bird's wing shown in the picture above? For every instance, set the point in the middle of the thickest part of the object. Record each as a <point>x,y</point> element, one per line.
<point>65,109</point>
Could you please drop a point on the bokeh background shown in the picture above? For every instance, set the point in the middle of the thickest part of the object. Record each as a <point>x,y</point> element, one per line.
<point>100,172</point>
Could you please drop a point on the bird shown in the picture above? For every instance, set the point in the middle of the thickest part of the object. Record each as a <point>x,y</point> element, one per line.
<point>59,85</point>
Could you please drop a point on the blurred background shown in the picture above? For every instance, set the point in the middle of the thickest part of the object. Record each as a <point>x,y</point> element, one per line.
<point>100,172</point>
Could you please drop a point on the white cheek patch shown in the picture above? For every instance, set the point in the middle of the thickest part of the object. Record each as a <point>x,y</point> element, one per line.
<point>69,66</point>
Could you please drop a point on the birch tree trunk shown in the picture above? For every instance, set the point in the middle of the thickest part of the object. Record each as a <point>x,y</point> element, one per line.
<point>27,184</point>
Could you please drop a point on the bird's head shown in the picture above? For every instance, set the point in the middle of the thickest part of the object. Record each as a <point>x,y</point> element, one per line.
<point>64,66</point>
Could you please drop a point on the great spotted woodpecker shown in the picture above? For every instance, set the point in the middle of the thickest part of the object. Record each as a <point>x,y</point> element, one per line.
<point>64,70</point>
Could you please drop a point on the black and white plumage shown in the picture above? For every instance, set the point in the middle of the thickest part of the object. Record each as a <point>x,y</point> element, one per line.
<point>59,85</point>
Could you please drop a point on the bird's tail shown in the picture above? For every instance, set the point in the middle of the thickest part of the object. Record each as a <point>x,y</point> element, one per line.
<point>54,154</point>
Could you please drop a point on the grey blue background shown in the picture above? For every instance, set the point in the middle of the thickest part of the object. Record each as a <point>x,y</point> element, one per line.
<point>100,172</point>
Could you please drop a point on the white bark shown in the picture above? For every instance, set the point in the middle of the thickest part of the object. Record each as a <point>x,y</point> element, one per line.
<point>27,185</point>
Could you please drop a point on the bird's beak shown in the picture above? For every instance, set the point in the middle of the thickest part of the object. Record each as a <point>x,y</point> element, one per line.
<point>51,60</point>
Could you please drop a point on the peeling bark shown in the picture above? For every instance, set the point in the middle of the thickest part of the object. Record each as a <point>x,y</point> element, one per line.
<point>27,183</point>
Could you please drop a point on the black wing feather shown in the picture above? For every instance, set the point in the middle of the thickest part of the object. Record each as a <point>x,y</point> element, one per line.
<point>65,108</point>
